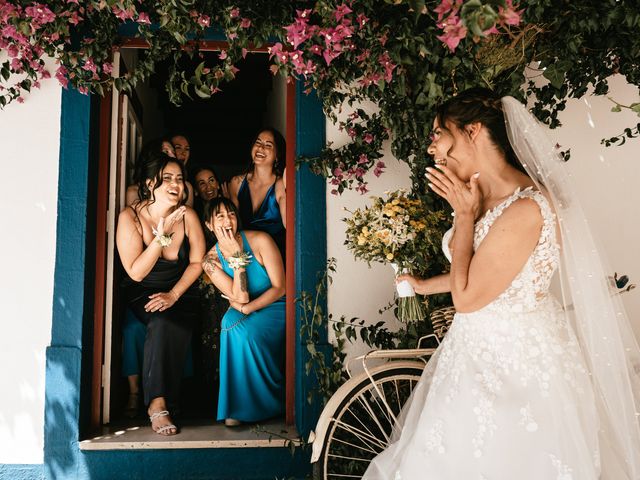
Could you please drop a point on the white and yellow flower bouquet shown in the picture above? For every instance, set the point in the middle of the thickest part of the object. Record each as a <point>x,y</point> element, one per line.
<point>397,230</point>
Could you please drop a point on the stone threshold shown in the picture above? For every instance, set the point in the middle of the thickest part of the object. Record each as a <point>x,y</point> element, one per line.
<point>194,434</point>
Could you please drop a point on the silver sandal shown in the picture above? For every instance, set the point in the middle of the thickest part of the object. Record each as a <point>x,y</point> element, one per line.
<point>166,428</point>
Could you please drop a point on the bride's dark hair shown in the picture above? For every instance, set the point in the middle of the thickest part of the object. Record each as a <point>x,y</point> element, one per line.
<point>483,106</point>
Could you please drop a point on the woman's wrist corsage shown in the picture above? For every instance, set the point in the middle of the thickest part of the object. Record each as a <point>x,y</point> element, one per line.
<point>239,260</point>
<point>163,240</point>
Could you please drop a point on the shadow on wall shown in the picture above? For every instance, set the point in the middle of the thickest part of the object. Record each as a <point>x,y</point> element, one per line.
<point>21,415</point>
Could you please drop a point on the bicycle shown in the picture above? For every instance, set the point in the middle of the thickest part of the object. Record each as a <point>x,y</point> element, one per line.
<point>357,422</point>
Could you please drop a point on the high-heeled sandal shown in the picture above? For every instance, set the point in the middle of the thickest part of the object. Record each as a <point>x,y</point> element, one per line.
<point>166,428</point>
<point>232,422</point>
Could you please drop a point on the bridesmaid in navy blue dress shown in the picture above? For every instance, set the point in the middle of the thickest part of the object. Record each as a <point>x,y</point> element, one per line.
<point>260,194</point>
<point>252,349</point>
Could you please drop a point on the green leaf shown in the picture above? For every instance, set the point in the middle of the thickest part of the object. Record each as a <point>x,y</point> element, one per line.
<point>554,75</point>
<point>616,108</point>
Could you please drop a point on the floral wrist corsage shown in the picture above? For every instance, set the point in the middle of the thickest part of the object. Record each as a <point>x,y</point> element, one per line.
<point>163,240</point>
<point>239,260</point>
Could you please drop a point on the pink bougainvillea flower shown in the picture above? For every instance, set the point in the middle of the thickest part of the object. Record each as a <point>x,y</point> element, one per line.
<point>83,90</point>
<point>363,159</point>
<point>330,55</point>
<point>368,138</point>
<point>20,100</point>
<point>61,75</point>
<point>317,49</point>
<point>107,68</point>
<point>232,36</point>
<point>303,15</point>
<point>385,61</point>
<point>383,39</point>
<point>222,55</point>
<point>341,11</point>
<point>296,34</point>
<point>244,52</point>
<point>334,192</point>
<point>510,15</point>
<point>245,23</point>
<point>40,14</point>
<point>362,188</point>
<point>144,18</point>
<point>454,31</point>
<point>275,50</point>
<point>443,9</point>
<point>16,65</point>
<point>351,132</point>
<point>235,12</point>
<point>491,31</point>
<point>89,65</point>
<point>204,21</point>
<point>362,20</point>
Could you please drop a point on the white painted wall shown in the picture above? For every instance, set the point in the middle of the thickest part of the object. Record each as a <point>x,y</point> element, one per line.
<point>608,179</point>
<point>358,291</point>
<point>30,138</point>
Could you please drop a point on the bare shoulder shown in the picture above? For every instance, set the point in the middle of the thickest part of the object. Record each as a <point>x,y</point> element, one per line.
<point>127,216</point>
<point>258,239</point>
<point>523,215</point>
<point>237,180</point>
<point>190,214</point>
<point>280,188</point>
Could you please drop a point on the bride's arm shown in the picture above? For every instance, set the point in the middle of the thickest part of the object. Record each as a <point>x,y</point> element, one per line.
<point>479,278</point>
<point>428,286</point>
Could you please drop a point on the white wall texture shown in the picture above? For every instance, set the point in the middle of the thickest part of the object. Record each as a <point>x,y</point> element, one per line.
<point>30,138</point>
<point>607,177</point>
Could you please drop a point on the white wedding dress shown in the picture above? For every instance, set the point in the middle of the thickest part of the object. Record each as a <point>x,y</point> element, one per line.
<point>507,395</point>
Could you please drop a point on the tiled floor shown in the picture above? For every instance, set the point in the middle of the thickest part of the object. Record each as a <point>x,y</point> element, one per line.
<point>194,434</point>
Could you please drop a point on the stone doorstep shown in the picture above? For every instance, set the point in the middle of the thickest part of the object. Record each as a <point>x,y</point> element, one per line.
<point>195,434</point>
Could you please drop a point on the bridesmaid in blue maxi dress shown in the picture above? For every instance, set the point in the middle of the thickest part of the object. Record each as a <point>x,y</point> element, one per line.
<point>252,349</point>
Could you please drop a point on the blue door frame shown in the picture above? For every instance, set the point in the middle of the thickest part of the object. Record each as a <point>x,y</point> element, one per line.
<point>72,315</point>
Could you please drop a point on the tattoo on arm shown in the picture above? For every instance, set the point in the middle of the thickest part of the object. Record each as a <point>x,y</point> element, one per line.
<point>243,281</point>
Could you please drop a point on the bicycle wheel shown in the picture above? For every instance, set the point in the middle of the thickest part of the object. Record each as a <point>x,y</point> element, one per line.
<point>362,425</point>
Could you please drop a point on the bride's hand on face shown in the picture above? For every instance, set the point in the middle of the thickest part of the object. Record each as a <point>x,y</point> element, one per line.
<point>464,198</point>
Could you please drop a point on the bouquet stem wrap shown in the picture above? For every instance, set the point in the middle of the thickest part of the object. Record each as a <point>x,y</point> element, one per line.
<point>409,306</point>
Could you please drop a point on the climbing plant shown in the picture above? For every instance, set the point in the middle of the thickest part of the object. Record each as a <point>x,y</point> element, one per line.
<point>403,57</point>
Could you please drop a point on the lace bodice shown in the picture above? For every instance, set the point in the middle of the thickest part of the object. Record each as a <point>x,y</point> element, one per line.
<point>530,288</point>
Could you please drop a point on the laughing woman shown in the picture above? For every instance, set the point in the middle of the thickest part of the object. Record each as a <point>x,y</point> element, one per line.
<point>247,267</point>
<point>161,245</point>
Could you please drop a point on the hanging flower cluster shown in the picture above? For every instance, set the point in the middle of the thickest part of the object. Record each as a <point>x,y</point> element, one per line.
<point>455,18</point>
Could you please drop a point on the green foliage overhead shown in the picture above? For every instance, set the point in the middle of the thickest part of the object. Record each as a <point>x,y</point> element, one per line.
<point>405,56</point>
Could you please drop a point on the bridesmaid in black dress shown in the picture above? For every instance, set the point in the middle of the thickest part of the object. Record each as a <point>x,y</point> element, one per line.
<point>161,245</point>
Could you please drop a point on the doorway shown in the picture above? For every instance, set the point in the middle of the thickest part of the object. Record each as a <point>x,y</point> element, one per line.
<point>220,131</point>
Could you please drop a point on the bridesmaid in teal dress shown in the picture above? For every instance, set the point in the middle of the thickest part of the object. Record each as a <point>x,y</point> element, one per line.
<point>260,193</point>
<point>247,267</point>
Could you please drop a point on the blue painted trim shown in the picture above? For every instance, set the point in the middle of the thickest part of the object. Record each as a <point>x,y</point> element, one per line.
<point>311,237</point>
<point>63,357</point>
<point>10,471</point>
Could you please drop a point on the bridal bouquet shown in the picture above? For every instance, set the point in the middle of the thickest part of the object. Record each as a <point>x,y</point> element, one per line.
<point>397,230</point>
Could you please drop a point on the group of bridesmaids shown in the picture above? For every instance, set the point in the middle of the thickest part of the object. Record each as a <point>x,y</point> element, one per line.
<point>236,233</point>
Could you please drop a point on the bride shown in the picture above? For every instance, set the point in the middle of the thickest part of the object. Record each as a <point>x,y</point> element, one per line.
<point>521,387</point>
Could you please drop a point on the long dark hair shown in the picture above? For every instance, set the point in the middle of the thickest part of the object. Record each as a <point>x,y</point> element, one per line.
<point>202,168</point>
<point>281,151</point>
<point>213,207</point>
<point>147,153</point>
<point>483,106</point>
<point>152,169</point>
